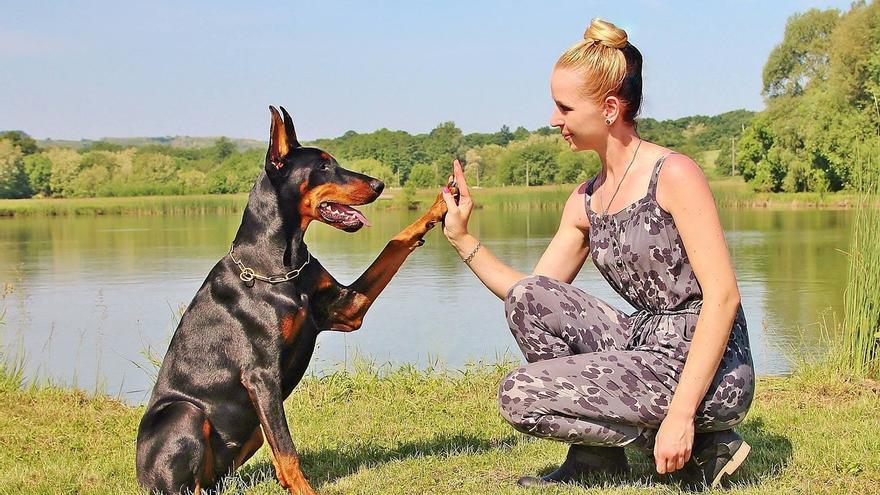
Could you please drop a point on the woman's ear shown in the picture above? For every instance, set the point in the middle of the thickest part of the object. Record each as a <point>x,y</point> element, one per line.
<point>612,108</point>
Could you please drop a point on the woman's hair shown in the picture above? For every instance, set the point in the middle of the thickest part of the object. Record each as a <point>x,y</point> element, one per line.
<point>610,65</point>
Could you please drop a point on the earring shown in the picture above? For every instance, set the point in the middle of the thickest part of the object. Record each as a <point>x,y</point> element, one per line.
<point>608,121</point>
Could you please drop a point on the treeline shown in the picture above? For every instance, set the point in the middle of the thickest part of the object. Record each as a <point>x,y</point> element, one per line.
<point>822,86</point>
<point>506,157</point>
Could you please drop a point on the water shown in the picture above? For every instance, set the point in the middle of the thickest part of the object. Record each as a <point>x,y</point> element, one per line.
<point>91,296</point>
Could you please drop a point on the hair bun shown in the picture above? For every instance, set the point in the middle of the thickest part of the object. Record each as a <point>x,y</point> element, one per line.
<point>606,33</point>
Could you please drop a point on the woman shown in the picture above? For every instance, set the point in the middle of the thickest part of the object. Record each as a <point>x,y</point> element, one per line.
<point>673,377</point>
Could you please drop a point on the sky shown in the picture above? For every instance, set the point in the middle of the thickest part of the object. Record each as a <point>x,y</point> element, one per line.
<point>86,70</point>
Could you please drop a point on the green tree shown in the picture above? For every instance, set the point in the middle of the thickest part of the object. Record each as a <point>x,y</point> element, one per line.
<point>372,167</point>
<point>39,171</point>
<point>422,175</point>
<point>13,180</point>
<point>154,168</point>
<point>66,165</point>
<point>25,143</point>
<point>223,148</point>
<point>802,57</point>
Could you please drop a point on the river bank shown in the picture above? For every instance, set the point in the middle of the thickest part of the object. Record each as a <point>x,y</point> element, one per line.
<point>729,193</point>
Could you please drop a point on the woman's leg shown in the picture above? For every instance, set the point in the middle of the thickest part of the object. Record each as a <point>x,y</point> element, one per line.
<point>607,398</point>
<point>550,319</point>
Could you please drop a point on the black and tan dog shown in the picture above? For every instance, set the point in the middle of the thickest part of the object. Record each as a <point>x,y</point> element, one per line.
<point>245,340</point>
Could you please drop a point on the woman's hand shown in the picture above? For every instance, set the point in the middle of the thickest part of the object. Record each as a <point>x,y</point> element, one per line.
<point>455,222</point>
<point>673,444</point>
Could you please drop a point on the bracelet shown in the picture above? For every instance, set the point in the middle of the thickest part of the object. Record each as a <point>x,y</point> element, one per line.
<point>472,253</point>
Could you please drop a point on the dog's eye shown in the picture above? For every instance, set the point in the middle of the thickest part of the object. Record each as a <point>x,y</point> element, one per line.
<point>325,166</point>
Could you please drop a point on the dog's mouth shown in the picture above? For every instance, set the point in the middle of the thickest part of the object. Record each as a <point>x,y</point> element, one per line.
<point>342,216</point>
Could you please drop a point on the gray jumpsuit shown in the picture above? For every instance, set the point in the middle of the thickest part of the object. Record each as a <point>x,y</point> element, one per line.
<point>597,376</point>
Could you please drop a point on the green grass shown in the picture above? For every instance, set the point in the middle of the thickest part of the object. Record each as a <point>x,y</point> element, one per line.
<point>405,431</point>
<point>855,348</point>
<point>138,205</point>
<point>729,193</point>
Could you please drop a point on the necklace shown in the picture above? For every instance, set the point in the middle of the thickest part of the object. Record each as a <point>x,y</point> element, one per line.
<point>605,212</point>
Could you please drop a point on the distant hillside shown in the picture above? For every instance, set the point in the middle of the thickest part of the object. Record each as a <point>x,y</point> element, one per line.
<point>172,141</point>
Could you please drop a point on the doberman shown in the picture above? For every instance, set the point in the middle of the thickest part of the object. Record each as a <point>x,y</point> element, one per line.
<point>245,340</point>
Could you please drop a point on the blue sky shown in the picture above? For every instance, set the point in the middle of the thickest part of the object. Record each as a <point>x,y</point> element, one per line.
<point>71,70</point>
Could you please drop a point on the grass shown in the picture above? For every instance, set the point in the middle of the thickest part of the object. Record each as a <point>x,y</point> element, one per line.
<point>405,431</point>
<point>729,193</point>
<point>856,347</point>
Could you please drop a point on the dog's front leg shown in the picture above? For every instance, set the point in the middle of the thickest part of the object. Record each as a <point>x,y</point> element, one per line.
<point>353,301</point>
<point>264,389</point>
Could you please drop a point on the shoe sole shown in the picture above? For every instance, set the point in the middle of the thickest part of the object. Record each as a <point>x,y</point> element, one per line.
<point>735,462</point>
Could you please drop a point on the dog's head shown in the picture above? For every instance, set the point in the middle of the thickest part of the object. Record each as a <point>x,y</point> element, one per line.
<point>311,180</point>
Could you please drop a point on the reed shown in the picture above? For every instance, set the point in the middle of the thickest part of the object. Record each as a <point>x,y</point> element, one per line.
<point>858,349</point>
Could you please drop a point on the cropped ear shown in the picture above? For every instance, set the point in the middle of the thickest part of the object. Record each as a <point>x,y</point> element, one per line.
<point>282,138</point>
<point>291,132</point>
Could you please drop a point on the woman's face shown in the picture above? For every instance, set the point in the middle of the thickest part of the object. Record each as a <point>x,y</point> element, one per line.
<point>581,121</point>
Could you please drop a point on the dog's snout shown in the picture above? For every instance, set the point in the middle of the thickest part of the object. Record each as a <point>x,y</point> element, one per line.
<point>377,185</point>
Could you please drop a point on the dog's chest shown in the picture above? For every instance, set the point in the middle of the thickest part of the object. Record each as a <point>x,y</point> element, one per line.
<point>293,322</point>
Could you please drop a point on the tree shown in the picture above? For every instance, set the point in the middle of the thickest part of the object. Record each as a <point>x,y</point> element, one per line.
<point>66,164</point>
<point>372,167</point>
<point>223,148</point>
<point>802,57</point>
<point>25,143</point>
<point>422,175</point>
<point>13,180</point>
<point>39,171</point>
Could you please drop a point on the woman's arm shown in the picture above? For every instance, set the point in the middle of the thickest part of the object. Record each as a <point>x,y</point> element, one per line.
<point>561,260</point>
<point>686,195</point>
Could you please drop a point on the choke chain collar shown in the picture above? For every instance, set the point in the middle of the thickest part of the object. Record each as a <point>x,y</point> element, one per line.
<point>248,274</point>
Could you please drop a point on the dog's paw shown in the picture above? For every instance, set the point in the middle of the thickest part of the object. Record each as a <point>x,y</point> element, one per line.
<point>439,208</point>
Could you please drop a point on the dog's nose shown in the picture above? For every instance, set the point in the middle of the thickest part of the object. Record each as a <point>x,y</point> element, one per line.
<point>377,185</point>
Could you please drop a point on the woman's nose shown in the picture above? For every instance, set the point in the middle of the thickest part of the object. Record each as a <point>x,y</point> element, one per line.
<point>556,119</point>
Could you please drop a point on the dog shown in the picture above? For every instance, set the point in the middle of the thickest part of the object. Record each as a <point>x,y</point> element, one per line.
<point>245,340</point>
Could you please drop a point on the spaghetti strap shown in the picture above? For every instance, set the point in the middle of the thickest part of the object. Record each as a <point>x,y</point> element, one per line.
<point>588,191</point>
<point>655,175</point>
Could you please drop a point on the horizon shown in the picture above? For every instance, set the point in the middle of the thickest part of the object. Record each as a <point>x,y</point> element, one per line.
<point>211,70</point>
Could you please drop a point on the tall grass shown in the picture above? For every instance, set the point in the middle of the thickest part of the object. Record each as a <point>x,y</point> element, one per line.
<point>860,332</point>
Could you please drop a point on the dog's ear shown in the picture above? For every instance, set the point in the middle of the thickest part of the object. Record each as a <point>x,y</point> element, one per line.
<point>288,127</point>
<point>282,138</point>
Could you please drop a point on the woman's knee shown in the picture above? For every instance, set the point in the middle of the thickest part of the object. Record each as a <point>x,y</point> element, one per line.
<point>514,400</point>
<point>517,292</point>
<point>730,403</point>
<point>527,304</point>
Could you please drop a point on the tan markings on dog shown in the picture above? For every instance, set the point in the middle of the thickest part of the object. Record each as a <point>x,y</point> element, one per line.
<point>208,466</point>
<point>357,192</point>
<point>279,135</point>
<point>291,324</point>
<point>326,156</point>
<point>249,448</point>
<point>290,474</point>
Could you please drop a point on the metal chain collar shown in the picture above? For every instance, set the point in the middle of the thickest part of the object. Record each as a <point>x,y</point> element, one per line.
<point>248,274</point>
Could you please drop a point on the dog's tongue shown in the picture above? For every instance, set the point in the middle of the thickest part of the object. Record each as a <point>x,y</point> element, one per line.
<point>360,216</point>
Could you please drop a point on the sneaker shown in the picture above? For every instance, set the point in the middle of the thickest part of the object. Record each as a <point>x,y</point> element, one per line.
<point>714,455</point>
<point>581,461</point>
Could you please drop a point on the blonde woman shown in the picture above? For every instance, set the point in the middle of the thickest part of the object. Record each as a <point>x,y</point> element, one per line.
<point>676,375</point>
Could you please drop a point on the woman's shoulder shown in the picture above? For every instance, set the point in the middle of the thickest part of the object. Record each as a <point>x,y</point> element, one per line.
<point>678,179</point>
<point>681,171</point>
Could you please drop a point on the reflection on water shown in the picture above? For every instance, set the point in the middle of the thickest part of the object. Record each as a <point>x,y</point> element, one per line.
<point>91,295</point>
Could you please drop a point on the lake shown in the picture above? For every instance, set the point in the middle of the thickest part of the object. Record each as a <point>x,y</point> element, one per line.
<point>91,297</point>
